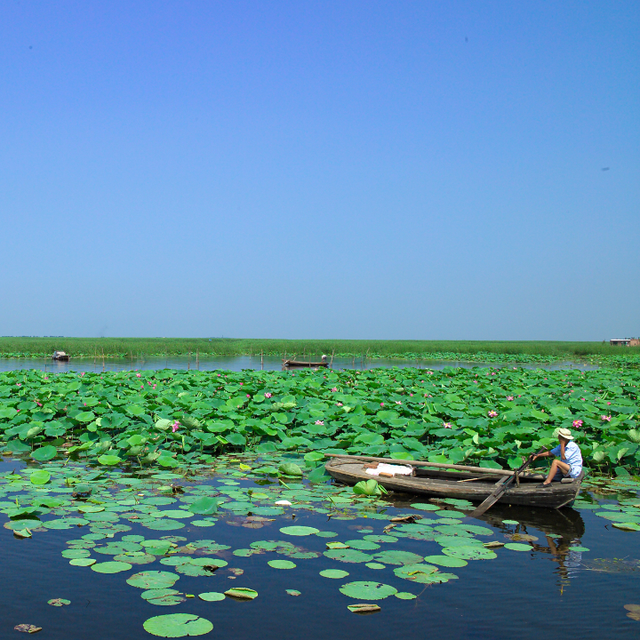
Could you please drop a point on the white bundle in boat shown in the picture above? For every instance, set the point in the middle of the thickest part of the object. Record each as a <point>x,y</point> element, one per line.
<point>390,470</point>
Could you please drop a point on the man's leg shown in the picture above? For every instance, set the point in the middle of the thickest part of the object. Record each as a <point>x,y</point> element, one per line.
<point>556,465</point>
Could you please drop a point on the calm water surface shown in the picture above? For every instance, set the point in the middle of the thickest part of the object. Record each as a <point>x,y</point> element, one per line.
<point>238,363</point>
<point>547,591</point>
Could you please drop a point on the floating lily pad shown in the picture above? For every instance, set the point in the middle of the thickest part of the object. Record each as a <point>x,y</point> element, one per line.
<point>293,592</point>
<point>518,546</point>
<point>363,545</point>
<point>82,562</point>
<point>164,524</point>
<point>363,608</point>
<point>58,602</point>
<point>151,594</point>
<point>626,526</point>
<point>337,545</point>
<point>446,561</point>
<point>348,555</point>
<point>281,564</point>
<point>241,593</point>
<point>211,596</point>
<point>334,573</point>
<point>424,506</point>
<point>423,574</point>
<point>633,611</point>
<point>27,628</point>
<point>153,579</point>
<point>299,531</point>
<point>367,590</point>
<point>166,601</point>
<point>111,567</point>
<point>177,625</point>
<point>471,552</point>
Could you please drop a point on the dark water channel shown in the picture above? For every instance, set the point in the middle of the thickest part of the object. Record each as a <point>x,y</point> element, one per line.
<point>547,591</point>
<point>238,363</point>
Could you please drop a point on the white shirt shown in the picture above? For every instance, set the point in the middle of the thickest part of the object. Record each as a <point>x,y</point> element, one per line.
<point>573,457</point>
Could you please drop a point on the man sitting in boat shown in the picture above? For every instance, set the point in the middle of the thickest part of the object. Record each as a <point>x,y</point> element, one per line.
<point>570,463</point>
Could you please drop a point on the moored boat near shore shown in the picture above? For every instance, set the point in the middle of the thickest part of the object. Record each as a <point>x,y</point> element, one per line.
<point>297,364</point>
<point>437,480</point>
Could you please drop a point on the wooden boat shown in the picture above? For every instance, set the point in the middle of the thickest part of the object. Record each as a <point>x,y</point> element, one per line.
<point>295,364</point>
<point>61,356</point>
<point>459,481</point>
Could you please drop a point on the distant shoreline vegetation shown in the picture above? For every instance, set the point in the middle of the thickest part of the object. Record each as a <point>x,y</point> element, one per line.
<point>419,350</point>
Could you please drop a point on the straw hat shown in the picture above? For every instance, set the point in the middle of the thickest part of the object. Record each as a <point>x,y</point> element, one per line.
<point>565,433</point>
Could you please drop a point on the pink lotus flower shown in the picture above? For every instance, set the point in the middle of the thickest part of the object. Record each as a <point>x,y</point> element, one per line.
<point>338,404</point>
<point>382,404</point>
<point>447,425</point>
<point>174,426</point>
<point>492,413</point>
<point>577,424</point>
<point>138,375</point>
<point>398,402</point>
<point>608,403</point>
<point>509,398</point>
<point>334,389</point>
<point>605,418</point>
<point>267,395</point>
<point>248,395</point>
<point>319,422</point>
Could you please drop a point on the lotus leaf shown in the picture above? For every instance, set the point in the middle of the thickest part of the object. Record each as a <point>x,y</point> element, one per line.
<point>241,593</point>
<point>111,567</point>
<point>178,625</point>
<point>334,573</point>
<point>363,590</point>
<point>153,580</point>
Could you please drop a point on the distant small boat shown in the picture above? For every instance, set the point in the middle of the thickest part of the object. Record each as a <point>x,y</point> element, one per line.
<point>457,481</point>
<point>294,364</point>
<point>61,356</point>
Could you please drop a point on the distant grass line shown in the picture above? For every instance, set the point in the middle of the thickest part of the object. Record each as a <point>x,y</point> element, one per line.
<point>474,350</point>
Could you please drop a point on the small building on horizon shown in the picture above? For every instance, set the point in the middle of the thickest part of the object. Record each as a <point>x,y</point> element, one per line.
<point>625,342</point>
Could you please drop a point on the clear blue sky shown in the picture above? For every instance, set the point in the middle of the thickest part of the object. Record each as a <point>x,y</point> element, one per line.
<point>320,169</point>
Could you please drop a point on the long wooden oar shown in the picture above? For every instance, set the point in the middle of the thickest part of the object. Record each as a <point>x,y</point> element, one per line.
<point>501,486</point>
<point>424,463</point>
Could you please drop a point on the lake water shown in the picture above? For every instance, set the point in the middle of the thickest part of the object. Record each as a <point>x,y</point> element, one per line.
<point>238,363</point>
<point>548,590</point>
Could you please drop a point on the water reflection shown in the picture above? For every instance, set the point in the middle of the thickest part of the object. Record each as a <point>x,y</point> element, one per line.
<point>563,530</point>
<point>238,363</point>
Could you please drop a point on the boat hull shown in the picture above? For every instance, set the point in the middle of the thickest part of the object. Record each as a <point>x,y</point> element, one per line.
<point>438,483</point>
<point>297,364</point>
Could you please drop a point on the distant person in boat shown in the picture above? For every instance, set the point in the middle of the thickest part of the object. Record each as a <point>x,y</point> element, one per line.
<point>569,462</point>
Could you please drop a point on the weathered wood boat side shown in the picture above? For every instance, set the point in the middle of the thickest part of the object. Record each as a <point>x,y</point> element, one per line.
<point>464,485</point>
<point>300,363</point>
